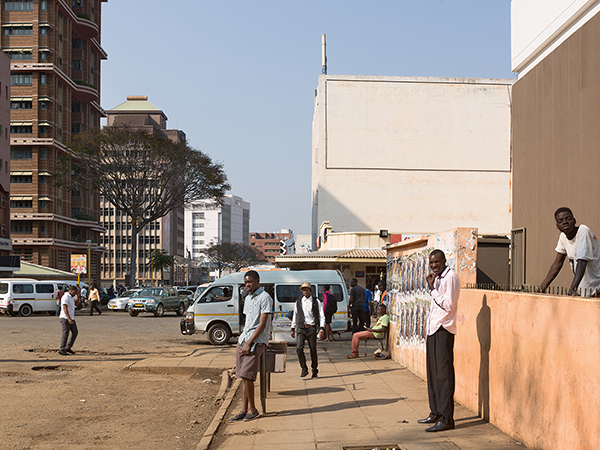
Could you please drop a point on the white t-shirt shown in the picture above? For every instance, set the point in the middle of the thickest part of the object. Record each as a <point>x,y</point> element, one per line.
<point>68,300</point>
<point>583,246</point>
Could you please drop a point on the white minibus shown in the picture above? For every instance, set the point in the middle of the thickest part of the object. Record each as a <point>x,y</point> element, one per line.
<point>26,295</point>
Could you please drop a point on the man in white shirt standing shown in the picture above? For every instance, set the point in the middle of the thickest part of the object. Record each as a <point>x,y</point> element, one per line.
<point>441,328</point>
<point>308,317</point>
<point>67,321</point>
<point>580,245</point>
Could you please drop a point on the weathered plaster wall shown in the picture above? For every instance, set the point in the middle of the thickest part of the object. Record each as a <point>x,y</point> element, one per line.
<point>527,363</point>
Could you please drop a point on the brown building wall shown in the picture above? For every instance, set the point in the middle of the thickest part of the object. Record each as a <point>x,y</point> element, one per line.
<point>556,147</point>
<point>268,244</point>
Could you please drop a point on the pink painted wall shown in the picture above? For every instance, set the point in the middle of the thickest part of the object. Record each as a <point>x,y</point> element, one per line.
<point>528,363</point>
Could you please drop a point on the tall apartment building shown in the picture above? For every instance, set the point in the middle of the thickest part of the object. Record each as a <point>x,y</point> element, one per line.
<point>271,244</point>
<point>55,52</point>
<point>207,223</point>
<point>166,233</point>
<point>5,241</point>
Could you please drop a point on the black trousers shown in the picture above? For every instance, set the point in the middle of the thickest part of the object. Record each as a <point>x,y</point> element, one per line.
<point>303,335</point>
<point>440,374</point>
<point>358,319</point>
<point>94,305</point>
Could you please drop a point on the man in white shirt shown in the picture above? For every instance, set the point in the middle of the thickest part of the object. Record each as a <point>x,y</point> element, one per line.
<point>308,317</point>
<point>580,245</point>
<point>67,321</point>
<point>441,328</point>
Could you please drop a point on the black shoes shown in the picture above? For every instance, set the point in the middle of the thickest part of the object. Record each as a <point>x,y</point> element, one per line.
<point>70,351</point>
<point>432,418</point>
<point>62,352</point>
<point>441,426</point>
<point>304,373</point>
<point>315,375</point>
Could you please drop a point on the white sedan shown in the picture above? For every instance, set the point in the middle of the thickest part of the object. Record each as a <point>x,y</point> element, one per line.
<point>120,303</point>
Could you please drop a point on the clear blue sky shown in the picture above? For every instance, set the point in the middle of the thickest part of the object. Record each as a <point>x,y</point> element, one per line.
<point>238,77</point>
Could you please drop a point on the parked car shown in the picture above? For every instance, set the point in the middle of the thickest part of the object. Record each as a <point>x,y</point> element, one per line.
<point>187,292</point>
<point>122,303</point>
<point>104,297</point>
<point>157,300</point>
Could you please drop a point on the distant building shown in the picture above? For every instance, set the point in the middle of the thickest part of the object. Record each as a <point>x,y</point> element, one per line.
<point>55,53</point>
<point>207,223</point>
<point>272,245</point>
<point>303,243</point>
<point>411,154</point>
<point>166,233</point>
<point>5,241</point>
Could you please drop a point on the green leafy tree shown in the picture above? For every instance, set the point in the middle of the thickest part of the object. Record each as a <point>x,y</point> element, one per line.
<point>161,260</point>
<point>233,255</point>
<point>144,175</point>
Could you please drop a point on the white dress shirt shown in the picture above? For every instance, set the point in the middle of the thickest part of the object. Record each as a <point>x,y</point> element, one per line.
<point>444,302</point>
<point>309,318</point>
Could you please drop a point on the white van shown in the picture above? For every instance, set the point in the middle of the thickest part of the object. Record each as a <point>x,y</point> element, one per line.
<point>26,295</point>
<point>219,309</point>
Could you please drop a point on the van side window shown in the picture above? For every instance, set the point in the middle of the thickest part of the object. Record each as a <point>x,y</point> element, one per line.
<point>44,288</point>
<point>335,289</point>
<point>289,293</point>
<point>218,294</point>
<point>3,288</point>
<point>23,288</point>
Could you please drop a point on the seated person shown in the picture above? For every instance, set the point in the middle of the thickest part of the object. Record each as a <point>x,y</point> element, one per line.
<point>371,333</point>
<point>227,294</point>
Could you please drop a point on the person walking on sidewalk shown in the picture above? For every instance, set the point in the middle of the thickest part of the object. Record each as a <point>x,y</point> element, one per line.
<point>308,317</point>
<point>252,342</point>
<point>94,300</point>
<point>357,306</point>
<point>67,321</point>
<point>441,328</point>
<point>371,333</point>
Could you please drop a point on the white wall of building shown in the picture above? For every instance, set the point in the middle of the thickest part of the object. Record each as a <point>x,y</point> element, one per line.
<point>539,26</point>
<point>412,155</point>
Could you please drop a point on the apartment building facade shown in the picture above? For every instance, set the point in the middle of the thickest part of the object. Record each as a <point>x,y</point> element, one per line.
<point>166,233</point>
<point>208,223</point>
<point>270,245</point>
<point>55,53</point>
<point>5,241</point>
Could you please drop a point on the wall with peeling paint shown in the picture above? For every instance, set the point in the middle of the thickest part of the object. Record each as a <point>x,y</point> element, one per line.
<point>527,363</point>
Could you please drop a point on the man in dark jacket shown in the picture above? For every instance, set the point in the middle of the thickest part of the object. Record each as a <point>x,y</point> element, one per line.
<point>308,318</point>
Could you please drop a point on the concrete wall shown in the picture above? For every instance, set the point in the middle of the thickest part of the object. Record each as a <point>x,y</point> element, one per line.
<point>527,363</point>
<point>413,155</point>
<point>538,27</point>
<point>555,153</point>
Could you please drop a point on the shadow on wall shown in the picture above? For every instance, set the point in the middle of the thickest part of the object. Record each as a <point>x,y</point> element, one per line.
<point>485,341</point>
<point>328,207</point>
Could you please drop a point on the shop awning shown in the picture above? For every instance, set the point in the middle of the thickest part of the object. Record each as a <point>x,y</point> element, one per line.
<point>375,255</point>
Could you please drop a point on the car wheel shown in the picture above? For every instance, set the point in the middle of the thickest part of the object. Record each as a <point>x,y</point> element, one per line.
<point>181,309</point>
<point>160,310</point>
<point>133,313</point>
<point>25,310</point>
<point>219,334</point>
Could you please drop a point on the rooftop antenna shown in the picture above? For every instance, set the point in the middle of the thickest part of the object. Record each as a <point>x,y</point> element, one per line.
<point>323,55</point>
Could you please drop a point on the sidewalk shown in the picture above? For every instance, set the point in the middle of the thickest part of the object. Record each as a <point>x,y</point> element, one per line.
<point>358,402</point>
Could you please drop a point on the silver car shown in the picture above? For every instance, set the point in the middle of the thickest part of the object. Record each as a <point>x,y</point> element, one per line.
<point>121,303</point>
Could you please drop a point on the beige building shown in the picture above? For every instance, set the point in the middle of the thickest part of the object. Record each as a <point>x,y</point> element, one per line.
<point>166,233</point>
<point>556,104</point>
<point>415,155</point>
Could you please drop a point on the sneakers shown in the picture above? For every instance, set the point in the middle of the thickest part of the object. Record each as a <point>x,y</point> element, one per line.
<point>304,373</point>
<point>252,414</point>
<point>62,352</point>
<point>315,375</point>
<point>238,417</point>
<point>70,351</point>
<point>352,356</point>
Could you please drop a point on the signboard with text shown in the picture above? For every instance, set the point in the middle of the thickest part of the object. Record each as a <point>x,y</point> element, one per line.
<point>79,264</point>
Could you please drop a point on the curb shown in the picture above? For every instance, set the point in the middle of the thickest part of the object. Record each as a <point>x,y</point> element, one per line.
<point>210,432</point>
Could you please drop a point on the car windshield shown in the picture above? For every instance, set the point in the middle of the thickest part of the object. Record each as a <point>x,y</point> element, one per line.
<point>130,293</point>
<point>150,292</point>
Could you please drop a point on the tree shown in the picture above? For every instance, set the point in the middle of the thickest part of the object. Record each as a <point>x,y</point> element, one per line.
<point>232,255</point>
<point>144,175</point>
<point>161,260</point>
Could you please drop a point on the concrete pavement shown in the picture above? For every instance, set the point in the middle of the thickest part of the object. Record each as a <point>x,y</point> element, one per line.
<point>359,403</point>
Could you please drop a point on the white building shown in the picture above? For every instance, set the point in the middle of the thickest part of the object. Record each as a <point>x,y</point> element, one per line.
<point>411,155</point>
<point>207,223</point>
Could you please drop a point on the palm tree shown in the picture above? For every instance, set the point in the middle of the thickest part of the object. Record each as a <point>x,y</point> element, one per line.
<point>160,260</point>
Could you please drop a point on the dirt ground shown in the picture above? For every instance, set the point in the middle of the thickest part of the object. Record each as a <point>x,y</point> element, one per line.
<point>88,400</point>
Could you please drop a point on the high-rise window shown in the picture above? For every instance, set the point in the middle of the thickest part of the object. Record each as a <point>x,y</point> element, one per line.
<point>21,79</point>
<point>22,55</point>
<point>21,129</point>
<point>20,105</point>
<point>18,5</point>
<point>20,153</point>
<point>18,30</point>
